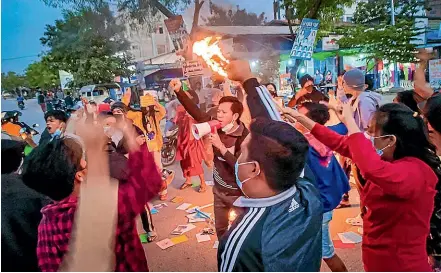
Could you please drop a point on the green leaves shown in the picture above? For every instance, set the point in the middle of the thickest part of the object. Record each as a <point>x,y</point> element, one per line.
<point>224,17</point>
<point>42,74</point>
<point>89,44</point>
<point>11,81</point>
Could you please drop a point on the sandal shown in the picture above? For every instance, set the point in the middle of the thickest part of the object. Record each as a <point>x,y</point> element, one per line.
<point>151,236</point>
<point>357,221</point>
<point>202,189</point>
<point>185,185</point>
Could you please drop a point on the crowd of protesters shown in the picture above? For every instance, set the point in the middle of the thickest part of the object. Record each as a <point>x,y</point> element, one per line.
<point>284,170</point>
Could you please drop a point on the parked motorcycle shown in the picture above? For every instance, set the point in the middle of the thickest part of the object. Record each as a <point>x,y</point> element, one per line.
<point>169,149</point>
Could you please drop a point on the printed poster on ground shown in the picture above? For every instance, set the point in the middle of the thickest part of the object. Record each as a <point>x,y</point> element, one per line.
<point>303,46</point>
<point>435,73</point>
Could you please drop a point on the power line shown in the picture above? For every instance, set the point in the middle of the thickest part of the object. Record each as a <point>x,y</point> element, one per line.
<point>21,57</point>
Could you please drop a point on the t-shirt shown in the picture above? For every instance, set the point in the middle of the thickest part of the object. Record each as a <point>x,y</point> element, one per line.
<point>314,96</point>
<point>41,99</point>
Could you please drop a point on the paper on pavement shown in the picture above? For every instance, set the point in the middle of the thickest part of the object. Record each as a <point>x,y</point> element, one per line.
<point>166,243</point>
<point>203,237</point>
<point>184,206</point>
<point>350,237</point>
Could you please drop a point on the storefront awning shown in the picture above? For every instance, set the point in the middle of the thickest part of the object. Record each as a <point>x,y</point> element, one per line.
<point>323,55</point>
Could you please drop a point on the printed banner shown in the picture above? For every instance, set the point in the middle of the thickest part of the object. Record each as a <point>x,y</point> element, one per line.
<point>178,32</point>
<point>303,46</point>
<point>65,79</point>
<point>435,73</point>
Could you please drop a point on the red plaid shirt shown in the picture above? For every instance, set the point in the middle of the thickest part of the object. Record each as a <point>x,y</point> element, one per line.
<point>55,228</point>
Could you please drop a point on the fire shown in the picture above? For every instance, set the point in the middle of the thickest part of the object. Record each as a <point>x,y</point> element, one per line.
<point>212,55</point>
<point>232,215</point>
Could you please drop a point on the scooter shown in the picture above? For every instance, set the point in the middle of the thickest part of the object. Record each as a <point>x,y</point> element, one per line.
<point>21,105</point>
<point>169,149</point>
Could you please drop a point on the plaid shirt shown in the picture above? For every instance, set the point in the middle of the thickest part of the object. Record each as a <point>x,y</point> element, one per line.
<point>55,228</point>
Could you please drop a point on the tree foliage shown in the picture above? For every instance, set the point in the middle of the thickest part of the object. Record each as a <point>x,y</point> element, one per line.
<point>11,81</point>
<point>42,74</point>
<point>377,38</point>
<point>89,44</point>
<point>223,17</point>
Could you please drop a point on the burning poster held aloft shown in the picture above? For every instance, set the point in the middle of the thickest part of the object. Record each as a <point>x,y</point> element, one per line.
<point>211,53</point>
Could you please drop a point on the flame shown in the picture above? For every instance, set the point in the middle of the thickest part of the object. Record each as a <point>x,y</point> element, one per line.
<point>232,215</point>
<point>212,55</point>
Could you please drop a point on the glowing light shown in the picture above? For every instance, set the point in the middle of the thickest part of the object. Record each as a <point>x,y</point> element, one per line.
<point>253,63</point>
<point>290,62</point>
<point>232,216</point>
<point>212,55</point>
<point>302,70</point>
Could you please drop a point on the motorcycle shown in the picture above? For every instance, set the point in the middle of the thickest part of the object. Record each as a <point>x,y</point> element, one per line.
<point>169,149</point>
<point>25,131</point>
<point>28,130</point>
<point>21,105</point>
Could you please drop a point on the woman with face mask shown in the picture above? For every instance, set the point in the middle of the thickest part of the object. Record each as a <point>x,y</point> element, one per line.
<point>401,169</point>
<point>226,143</point>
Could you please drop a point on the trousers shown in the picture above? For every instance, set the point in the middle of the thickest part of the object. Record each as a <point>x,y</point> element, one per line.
<point>223,203</point>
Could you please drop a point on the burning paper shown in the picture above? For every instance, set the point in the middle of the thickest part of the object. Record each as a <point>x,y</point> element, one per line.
<point>212,55</point>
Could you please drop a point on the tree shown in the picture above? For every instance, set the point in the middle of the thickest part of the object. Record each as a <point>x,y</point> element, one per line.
<point>374,35</point>
<point>268,67</point>
<point>42,74</point>
<point>89,44</point>
<point>224,17</point>
<point>11,81</point>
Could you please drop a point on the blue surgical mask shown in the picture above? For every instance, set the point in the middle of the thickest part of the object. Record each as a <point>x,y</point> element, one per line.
<point>57,134</point>
<point>372,139</point>
<point>236,172</point>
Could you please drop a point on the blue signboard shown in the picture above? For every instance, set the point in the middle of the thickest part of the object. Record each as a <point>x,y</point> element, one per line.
<point>303,46</point>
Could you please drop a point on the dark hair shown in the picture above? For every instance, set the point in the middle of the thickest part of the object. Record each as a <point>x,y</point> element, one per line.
<point>406,98</point>
<point>305,78</point>
<point>103,115</point>
<point>56,114</point>
<point>342,73</point>
<point>68,93</point>
<point>50,169</point>
<point>411,133</point>
<point>274,94</point>
<point>236,106</point>
<point>317,112</point>
<point>12,154</point>
<point>280,150</point>
<point>148,111</point>
<point>92,103</point>
<point>432,112</point>
<point>370,83</point>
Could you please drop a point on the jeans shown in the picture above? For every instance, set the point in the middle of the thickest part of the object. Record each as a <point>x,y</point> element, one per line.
<point>223,203</point>
<point>327,245</point>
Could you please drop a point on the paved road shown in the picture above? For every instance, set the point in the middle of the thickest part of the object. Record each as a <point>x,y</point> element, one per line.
<point>191,255</point>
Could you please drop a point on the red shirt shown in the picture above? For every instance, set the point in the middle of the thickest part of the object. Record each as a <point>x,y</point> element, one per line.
<point>399,197</point>
<point>55,227</point>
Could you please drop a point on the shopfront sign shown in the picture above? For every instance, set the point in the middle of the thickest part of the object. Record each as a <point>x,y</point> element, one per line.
<point>303,46</point>
<point>435,73</point>
<point>331,42</point>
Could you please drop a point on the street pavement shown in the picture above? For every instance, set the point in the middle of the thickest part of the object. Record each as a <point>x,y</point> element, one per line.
<point>191,255</point>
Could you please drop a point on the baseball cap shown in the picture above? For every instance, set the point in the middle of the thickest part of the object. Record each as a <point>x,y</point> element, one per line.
<point>354,78</point>
<point>306,81</point>
<point>121,106</point>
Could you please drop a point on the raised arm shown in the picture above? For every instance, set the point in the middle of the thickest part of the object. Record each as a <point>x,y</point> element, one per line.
<point>187,103</point>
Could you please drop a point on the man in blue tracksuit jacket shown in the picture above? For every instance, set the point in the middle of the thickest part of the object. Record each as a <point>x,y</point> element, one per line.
<point>280,229</point>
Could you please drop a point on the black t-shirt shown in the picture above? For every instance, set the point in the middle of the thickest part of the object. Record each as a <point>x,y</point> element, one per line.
<point>40,99</point>
<point>314,96</point>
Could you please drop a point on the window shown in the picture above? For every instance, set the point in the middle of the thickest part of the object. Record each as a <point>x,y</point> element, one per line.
<point>161,30</point>
<point>349,19</point>
<point>135,47</point>
<point>161,49</point>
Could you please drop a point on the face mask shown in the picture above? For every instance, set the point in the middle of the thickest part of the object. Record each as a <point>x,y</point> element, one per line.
<point>236,172</point>
<point>57,133</point>
<point>372,139</point>
<point>228,127</point>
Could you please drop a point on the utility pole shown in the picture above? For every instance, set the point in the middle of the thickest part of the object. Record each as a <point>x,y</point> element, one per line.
<point>396,73</point>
